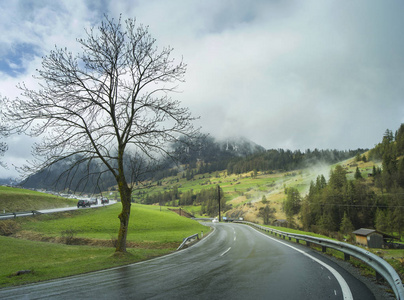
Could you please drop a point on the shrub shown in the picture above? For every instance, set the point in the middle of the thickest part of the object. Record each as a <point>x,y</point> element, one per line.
<point>8,227</point>
<point>69,236</point>
<point>114,241</point>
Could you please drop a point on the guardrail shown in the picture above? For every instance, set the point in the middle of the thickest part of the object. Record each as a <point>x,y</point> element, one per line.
<point>382,268</point>
<point>195,236</point>
<point>19,214</point>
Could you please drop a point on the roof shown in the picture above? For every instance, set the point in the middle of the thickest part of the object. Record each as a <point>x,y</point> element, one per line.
<point>365,231</point>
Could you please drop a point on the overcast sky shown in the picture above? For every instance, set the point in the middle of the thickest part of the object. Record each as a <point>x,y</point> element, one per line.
<point>285,74</point>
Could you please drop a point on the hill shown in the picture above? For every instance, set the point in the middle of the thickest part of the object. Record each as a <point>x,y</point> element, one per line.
<point>214,153</point>
<point>14,199</point>
<point>80,241</point>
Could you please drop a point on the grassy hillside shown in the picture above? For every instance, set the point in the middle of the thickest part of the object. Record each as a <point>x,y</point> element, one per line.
<point>41,246</point>
<point>15,199</point>
<point>148,226</point>
<point>244,192</point>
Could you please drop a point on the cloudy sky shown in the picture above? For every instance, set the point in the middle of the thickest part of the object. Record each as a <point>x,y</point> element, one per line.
<point>285,74</point>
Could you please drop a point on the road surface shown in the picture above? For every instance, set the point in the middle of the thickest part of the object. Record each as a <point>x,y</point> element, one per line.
<point>52,210</point>
<point>233,262</point>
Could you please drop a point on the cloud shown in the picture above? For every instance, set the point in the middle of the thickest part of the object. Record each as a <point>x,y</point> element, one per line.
<point>286,74</point>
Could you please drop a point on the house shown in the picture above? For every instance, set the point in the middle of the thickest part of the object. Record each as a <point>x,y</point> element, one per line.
<point>370,238</point>
<point>280,223</point>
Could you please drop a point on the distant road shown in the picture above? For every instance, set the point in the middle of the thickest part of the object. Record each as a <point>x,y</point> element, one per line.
<point>48,211</point>
<point>53,210</point>
<point>233,262</point>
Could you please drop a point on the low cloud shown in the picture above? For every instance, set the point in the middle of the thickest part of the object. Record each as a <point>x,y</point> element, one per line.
<point>296,75</point>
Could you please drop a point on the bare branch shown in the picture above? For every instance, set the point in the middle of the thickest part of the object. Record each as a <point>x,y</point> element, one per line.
<point>103,105</point>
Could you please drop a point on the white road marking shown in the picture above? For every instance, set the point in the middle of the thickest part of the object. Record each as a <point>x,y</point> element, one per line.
<point>225,251</point>
<point>346,292</point>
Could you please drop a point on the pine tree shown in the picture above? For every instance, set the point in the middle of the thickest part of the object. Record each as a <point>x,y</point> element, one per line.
<point>381,221</point>
<point>346,225</point>
<point>358,174</point>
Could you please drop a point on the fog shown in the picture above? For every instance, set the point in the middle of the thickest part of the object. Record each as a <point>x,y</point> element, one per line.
<point>292,75</point>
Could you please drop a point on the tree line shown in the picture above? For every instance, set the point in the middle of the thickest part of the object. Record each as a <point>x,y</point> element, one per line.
<point>208,199</point>
<point>287,160</point>
<point>342,205</point>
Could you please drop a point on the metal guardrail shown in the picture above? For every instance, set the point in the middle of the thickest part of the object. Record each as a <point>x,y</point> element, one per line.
<point>382,268</point>
<point>188,239</point>
<point>19,214</point>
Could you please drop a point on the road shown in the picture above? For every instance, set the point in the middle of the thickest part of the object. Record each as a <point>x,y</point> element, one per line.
<point>234,262</point>
<point>52,210</point>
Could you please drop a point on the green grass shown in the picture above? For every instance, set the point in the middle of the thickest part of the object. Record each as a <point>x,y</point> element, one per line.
<point>296,231</point>
<point>155,233</point>
<point>49,261</point>
<point>15,199</point>
<point>147,224</point>
<point>193,209</point>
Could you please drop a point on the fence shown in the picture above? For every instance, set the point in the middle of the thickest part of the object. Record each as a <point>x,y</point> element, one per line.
<point>19,214</point>
<point>195,236</point>
<point>382,268</point>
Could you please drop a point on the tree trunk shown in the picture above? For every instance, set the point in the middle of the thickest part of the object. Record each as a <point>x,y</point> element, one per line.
<point>125,193</point>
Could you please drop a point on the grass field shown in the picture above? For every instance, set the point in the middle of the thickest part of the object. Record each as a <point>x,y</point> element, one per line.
<point>15,199</point>
<point>151,233</point>
<point>48,260</point>
<point>147,225</point>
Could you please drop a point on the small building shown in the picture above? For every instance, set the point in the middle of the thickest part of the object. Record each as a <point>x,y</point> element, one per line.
<point>280,223</point>
<point>370,238</point>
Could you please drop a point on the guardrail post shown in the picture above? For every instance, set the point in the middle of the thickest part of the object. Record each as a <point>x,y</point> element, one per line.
<point>15,215</point>
<point>323,249</point>
<point>307,243</point>
<point>379,277</point>
<point>347,257</point>
<point>297,241</point>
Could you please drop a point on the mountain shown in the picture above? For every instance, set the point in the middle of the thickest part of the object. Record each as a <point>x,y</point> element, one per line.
<point>215,153</point>
<point>204,155</point>
<point>8,181</point>
<point>209,149</point>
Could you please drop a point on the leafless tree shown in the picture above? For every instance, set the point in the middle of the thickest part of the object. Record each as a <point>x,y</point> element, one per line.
<point>3,134</point>
<point>105,104</point>
<point>3,149</point>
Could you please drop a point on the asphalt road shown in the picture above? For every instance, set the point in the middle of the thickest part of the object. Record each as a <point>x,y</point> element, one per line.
<point>233,262</point>
<point>52,210</point>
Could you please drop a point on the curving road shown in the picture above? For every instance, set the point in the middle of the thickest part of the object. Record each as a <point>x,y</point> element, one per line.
<point>52,210</point>
<point>234,262</point>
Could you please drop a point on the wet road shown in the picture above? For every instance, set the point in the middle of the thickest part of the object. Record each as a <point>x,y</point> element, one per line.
<point>52,210</point>
<point>234,262</point>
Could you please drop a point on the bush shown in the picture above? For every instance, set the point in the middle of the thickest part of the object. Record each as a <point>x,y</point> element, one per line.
<point>69,236</point>
<point>8,227</point>
<point>114,241</point>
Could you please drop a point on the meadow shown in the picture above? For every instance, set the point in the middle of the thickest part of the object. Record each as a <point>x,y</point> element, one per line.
<point>15,199</point>
<point>64,244</point>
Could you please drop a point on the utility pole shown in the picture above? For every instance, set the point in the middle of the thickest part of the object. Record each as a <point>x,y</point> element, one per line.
<point>218,197</point>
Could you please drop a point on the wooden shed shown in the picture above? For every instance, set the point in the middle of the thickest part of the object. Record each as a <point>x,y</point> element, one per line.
<point>370,238</point>
<point>280,223</point>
